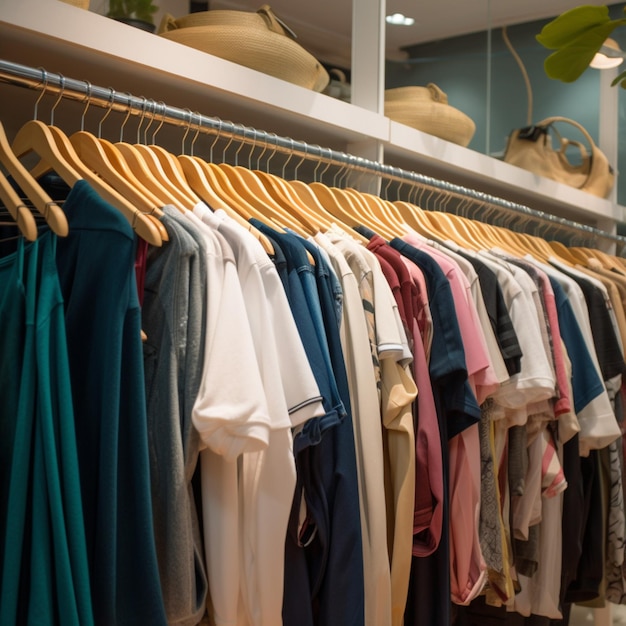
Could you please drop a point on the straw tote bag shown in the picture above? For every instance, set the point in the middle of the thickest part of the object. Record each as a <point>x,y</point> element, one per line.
<point>531,149</point>
<point>258,40</point>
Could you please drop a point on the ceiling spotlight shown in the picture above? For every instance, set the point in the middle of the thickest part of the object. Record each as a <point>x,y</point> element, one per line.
<point>399,20</point>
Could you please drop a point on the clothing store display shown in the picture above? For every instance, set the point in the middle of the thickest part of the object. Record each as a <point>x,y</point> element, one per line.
<point>300,405</point>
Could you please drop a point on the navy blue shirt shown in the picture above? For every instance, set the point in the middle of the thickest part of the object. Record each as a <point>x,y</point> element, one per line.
<point>323,560</point>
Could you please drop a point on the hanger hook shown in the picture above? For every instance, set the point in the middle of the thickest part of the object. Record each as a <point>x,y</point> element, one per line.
<point>302,160</point>
<point>346,171</point>
<point>339,172</point>
<point>328,164</point>
<point>56,103</point>
<point>152,116</point>
<point>125,119</point>
<point>253,143</point>
<point>318,165</point>
<point>241,142</point>
<point>82,117</point>
<point>217,136</point>
<point>271,156</point>
<point>144,103</point>
<point>44,88</point>
<point>289,157</point>
<point>232,137</point>
<point>195,137</point>
<point>384,192</point>
<point>182,142</point>
<point>108,111</point>
<point>158,128</point>
<point>258,159</point>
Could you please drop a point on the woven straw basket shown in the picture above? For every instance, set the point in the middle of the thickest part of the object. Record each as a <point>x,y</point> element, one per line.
<point>427,109</point>
<point>257,40</point>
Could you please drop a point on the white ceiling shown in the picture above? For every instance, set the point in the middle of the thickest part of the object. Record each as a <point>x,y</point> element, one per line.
<point>324,26</point>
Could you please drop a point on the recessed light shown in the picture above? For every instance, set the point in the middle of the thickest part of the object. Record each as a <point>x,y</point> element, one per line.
<point>399,20</point>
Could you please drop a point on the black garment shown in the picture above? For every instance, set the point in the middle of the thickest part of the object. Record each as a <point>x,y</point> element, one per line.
<point>498,314</point>
<point>606,343</point>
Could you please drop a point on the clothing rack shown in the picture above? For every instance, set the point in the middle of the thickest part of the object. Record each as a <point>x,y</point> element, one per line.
<point>455,197</point>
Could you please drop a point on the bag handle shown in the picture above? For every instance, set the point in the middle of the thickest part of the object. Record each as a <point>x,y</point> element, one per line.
<point>564,142</point>
<point>551,120</point>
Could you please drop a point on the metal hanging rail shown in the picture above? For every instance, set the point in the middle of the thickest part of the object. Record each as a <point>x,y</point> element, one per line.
<point>39,78</point>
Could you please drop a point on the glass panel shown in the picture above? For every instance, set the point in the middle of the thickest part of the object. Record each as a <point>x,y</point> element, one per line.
<point>460,67</point>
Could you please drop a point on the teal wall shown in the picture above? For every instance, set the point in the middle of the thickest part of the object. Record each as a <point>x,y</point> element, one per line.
<point>459,67</point>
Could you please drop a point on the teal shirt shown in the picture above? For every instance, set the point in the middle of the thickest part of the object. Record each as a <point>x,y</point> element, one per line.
<point>45,577</point>
<point>103,320</point>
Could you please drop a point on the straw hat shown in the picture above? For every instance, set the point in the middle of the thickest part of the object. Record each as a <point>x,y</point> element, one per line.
<point>257,40</point>
<point>427,109</point>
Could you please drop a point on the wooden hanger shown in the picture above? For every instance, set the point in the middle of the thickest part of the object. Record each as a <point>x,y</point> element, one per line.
<point>248,186</point>
<point>22,217</point>
<point>52,212</point>
<point>608,261</point>
<point>198,181</point>
<point>416,218</point>
<point>285,197</point>
<point>223,186</point>
<point>170,179</point>
<point>65,147</point>
<point>308,197</point>
<point>392,215</point>
<point>368,209</point>
<point>35,136</point>
<point>566,254</point>
<point>147,166</point>
<point>381,211</point>
<point>332,205</point>
<point>93,155</point>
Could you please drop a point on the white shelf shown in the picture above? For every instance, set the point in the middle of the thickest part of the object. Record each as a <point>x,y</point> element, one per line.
<point>441,159</point>
<point>85,45</point>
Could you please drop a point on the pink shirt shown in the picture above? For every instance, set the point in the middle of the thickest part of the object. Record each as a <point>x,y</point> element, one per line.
<point>428,509</point>
<point>482,376</point>
<point>467,565</point>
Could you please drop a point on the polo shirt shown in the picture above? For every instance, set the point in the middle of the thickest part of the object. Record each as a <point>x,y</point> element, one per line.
<point>598,426</point>
<point>536,381</point>
<point>429,591</point>
<point>497,310</point>
<point>429,481</point>
<point>232,418</point>
<point>267,478</point>
<point>476,294</point>
<point>397,393</point>
<point>480,371</point>
<point>324,555</point>
<point>603,331</point>
<point>368,434</point>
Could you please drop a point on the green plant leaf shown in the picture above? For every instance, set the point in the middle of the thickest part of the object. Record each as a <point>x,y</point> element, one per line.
<point>573,57</point>
<point>572,24</point>
<point>619,79</point>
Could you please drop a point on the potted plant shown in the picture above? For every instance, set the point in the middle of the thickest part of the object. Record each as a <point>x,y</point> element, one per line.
<point>138,13</point>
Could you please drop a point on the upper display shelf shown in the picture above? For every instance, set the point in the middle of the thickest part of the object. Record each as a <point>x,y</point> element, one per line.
<point>84,45</point>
